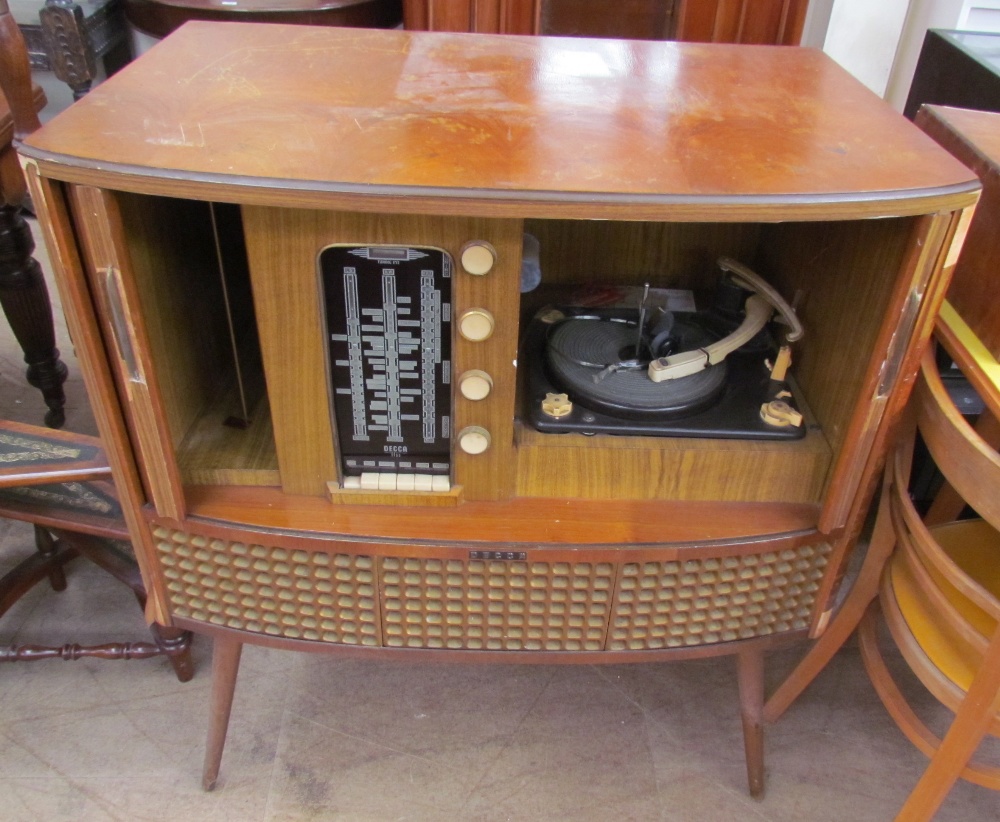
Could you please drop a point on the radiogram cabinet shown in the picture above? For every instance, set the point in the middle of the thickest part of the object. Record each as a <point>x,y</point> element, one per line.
<point>283,246</point>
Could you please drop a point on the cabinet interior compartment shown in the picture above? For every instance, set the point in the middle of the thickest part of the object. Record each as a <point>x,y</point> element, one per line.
<point>189,263</point>
<point>839,276</point>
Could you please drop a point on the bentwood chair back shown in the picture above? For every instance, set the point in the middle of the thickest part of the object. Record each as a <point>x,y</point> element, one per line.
<point>934,576</point>
<point>940,597</point>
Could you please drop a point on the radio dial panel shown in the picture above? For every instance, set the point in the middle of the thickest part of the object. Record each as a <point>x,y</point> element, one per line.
<point>388,323</point>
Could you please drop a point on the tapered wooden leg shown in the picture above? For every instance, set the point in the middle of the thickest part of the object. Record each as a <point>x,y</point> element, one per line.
<point>225,667</point>
<point>750,672</point>
<point>846,620</point>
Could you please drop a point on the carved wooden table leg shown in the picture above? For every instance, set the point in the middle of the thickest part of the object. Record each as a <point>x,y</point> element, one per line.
<point>25,301</point>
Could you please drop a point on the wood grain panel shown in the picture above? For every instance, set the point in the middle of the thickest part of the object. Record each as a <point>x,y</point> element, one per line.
<point>284,245</point>
<point>667,255</point>
<point>282,248</point>
<point>631,530</point>
<point>668,468</point>
<point>217,453</point>
<point>84,327</point>
<point>116,291</point>
<point>840,276</point>
<point>480,16</point>
<point>774,22</point>
<point>173,264</point>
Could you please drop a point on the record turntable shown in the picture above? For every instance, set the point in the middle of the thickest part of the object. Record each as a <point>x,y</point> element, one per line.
<point>652,371</point>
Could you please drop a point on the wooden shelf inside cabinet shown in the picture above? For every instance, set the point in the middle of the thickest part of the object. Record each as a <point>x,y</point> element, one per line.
<point>220,451</point>
<point>377,225</point>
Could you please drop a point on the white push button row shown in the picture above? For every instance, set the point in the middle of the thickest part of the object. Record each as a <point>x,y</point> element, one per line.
<point>374,481</point>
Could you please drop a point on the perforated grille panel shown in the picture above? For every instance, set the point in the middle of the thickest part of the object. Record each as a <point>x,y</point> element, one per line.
<point>503,606</point>
<point>487,604</point>
<point>276,591</point>
<point>703,601</point>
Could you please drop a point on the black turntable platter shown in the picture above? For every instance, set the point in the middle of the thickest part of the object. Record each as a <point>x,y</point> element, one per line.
<point>580,349</point>
<point>589,355</point>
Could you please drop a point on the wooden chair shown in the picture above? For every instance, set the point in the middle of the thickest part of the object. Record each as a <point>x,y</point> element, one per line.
<point>935,579</point>
<point>59,482</point>
<point>940,595</point>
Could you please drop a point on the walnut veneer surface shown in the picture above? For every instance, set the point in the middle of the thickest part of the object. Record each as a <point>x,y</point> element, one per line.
<point>537,126</point>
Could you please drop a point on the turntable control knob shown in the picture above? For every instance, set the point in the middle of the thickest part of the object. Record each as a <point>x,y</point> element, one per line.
<point>780,414</point>
<point>476,324</point>
<point>557,405</point>
<point>475,385</point>
<point>473,439</point>
<point>478,257</point>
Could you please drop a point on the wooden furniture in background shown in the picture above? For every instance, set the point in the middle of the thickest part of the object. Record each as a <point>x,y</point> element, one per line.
<point>956,68</point>
<point>552,548</point>
<point>24,296</point>
<point>774,22</point>
<point>60,483</point>
<point>940,594</point>
<point>918,569</point>
<point>71,39</point>
<point>777,22</point>
<point>158,18</point>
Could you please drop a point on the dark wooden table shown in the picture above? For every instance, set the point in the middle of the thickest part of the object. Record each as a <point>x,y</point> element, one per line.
<point>158,18</point>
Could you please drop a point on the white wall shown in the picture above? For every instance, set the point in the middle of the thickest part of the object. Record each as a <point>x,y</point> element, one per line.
<point>879,41</point>
<point>923,15</point>
<point>980,15</point>
<point>862,36</point>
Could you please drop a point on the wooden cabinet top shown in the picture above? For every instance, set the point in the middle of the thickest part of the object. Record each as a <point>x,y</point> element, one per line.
<point>525,126</point>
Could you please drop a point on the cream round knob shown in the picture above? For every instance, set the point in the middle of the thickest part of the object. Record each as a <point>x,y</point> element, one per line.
<point>476,324</point>
<point>473,439</point>
<point>478,257</point>
<point>475,385</point>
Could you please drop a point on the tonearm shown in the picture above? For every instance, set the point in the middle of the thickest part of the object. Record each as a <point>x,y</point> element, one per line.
<point>759,308</point>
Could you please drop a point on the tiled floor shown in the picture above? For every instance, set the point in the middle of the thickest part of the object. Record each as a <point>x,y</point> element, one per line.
<point>324,739</point>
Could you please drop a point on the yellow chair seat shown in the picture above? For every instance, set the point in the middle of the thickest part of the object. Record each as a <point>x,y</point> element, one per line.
<point>975,547</point>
